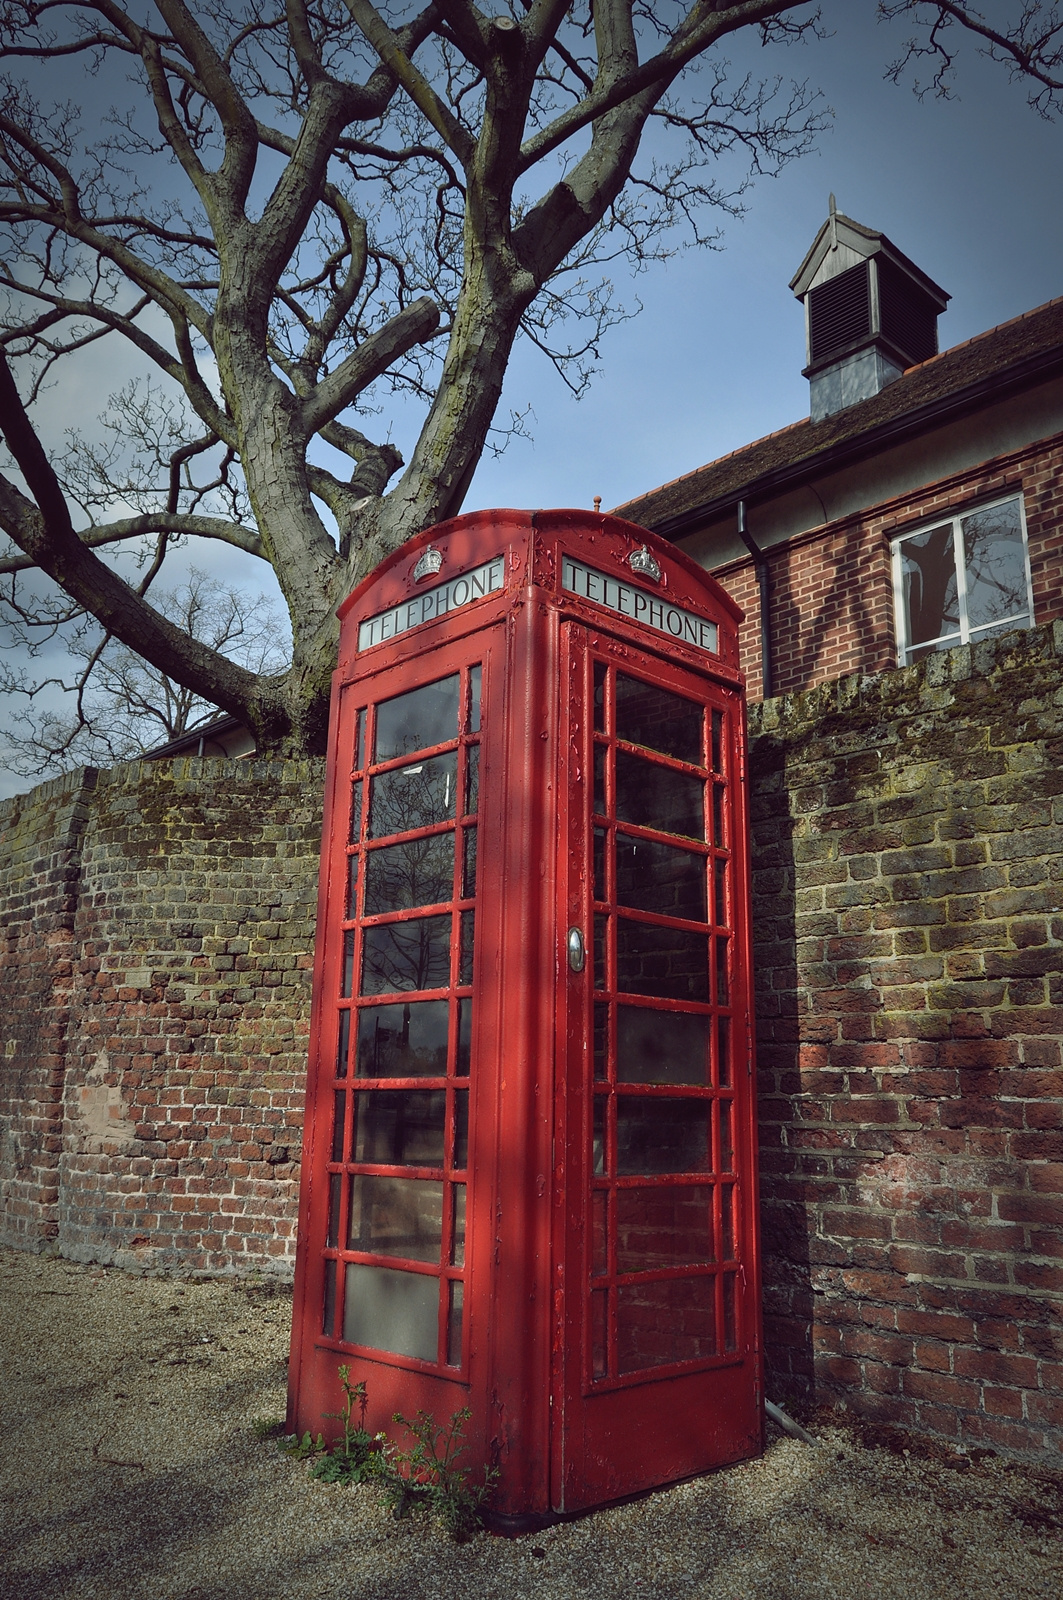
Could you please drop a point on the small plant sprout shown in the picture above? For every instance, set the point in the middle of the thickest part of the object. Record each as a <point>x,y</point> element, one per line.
<point>425,1475</point>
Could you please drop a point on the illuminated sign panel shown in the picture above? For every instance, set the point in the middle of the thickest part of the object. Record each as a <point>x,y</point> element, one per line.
<point>648,609</point>
<point>433,603</point>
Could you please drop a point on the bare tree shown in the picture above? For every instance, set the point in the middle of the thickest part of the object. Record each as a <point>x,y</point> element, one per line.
<point>1026,36</point>
<point>293,208</point>
<point>122,705</point>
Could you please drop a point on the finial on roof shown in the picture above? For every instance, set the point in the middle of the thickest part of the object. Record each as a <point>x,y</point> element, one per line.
<point>833,223</point>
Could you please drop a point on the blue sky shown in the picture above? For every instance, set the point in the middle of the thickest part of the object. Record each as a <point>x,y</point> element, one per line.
<point>968,188</point>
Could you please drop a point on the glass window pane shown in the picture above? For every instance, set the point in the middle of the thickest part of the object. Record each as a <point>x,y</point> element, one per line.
<point>359,758</point>
<point>662,1135</point>
<point>730,1329</point>
<point>406,955</point>
<point>461,1129</point>
<point>931,600</point>
<point>600,753</point>
<point>417,873</point>
<point>468,866</point>
<point>406,1041</point>
<point>335,1189</point>
<point>328,1310</point>
<point>465,954</point>
<point>727,1221</point>
<point>652,796</point>
<point>723,993</point>
<point>601,966</point>
<point>658,877</point>
<point>347,977</point>
<point>599,1238</point>
<point>413,721</point>
<point>668,1226</point>
<point>457,1231</point>
<point>462,1065</point>
<point>396,1217</point>
<point>996,565</point>
<point>727,1148</point>
<point>343,1044</point>
<point>600,1333</point>
<point>472,779</point>
<point>338,1112</point>
<point>721,894</point>
<point>600,671</point>
<point>400,1127</point>
<point>717,815</point>
<point>601,1040</point>
<point>661,1046</point>
<point>652,717</point>
<point>599,863</point>
<point>717,741</point>
<point>352,888</point>
<point>356,814</point>
<point>670,963</point>
<point>658,1323</point>
<point>474,700</point>
<point>391,1310</point>
<point>454,1319</point>
<point>598,1136</point>
<point>723,1045</point>
<point>414,797</point>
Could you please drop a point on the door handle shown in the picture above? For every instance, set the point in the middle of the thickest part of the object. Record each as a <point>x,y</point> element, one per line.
<point>576,953</point>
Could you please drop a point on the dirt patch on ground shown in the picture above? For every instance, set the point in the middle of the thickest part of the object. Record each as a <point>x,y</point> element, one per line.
<point>129,1471</point>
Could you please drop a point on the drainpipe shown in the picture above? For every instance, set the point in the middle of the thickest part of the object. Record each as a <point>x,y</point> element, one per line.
<point>763,584</point>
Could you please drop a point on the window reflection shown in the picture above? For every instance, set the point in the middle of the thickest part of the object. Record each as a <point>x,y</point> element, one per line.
<point>670,1135</point>
<point>652,796</point>
<point>650,716</point>
<point>400,1127</point>
<point>667,1226</point>
<point>420,872</point>
<point>418,719</point>
<point>670,963</point>
<point>660,1323</point>
<point>396,1217</point>
<point>406,955</point>
<point>406,1041</point>
<point>414,797</point>
<point>661,1046</point>
<point>652,876</point>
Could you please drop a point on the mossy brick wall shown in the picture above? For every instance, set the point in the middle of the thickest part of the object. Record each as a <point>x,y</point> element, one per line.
<point>188,1015</point>
<point>908,849</point>
<point>39,864</point>
<point>908,883</point>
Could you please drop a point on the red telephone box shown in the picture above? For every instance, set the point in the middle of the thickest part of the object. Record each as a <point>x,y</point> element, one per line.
<point>529,1180</point>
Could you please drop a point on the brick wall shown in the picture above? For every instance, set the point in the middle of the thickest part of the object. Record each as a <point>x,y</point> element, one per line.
<point>909,923</point>
<point>184,973</point>
<point>39,865</point>
<point>832,589</point>
<point>908,893</point>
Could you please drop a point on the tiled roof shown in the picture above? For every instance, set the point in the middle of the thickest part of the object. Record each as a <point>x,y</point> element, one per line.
<point>964,375</point>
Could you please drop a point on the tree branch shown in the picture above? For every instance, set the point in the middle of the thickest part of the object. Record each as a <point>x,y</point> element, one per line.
<point>373,357</point>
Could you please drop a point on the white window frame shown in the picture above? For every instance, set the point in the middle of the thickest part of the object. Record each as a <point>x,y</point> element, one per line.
<point>965,634</point>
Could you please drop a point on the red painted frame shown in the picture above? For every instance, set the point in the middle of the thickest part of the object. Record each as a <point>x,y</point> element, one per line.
<point>561,1443</point>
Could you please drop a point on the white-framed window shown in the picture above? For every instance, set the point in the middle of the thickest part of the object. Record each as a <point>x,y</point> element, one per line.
<point>961,578</point>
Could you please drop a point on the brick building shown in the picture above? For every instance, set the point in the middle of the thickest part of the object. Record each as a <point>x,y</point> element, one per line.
<point>919,504</point>
<point>907,834</point>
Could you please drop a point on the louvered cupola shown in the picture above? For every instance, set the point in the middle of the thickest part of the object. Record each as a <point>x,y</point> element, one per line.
<point>869,313</point>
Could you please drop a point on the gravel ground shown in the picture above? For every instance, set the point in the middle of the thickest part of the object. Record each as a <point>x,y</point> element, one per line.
<point>129,1468</point>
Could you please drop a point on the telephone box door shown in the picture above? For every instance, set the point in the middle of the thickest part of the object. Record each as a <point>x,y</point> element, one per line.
<point>657,1348</point>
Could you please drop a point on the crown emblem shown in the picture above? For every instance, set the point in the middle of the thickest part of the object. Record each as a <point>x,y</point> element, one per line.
<point>428,562</point>
<point>642,562</point>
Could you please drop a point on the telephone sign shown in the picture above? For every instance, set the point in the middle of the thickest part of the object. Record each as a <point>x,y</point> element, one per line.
<point>529,1179</point>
